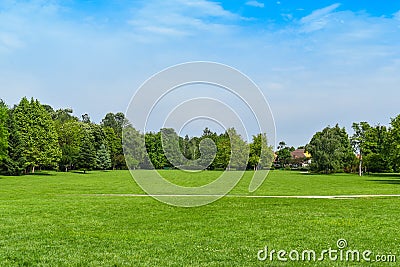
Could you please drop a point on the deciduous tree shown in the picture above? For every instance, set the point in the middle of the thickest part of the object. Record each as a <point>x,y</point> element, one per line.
<point>70,136</point>
<point>331,150</point>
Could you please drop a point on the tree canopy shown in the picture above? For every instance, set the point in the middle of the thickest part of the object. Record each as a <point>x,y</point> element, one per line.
<point>330,150</point>
<point>34,135</point>
<point>38,136</point>
<point>3,130</point>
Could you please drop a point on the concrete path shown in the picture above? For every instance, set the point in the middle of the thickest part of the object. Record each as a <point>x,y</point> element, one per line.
<point>246,196</point>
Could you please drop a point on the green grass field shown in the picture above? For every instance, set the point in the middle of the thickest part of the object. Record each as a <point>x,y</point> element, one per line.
<point>62,219</point>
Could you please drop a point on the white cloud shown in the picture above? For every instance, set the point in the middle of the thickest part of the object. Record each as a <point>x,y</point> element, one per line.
<point>182,18</point>
<point>9,41</point>
<point>274,86</point>
<point>351,64</point>
<point>255,4</point>
<point>164,31</point>
<point>397,15</point>
<point>320,13</point>
<point>318,19</point>
<point>207,8</point>
<point>287,17</point>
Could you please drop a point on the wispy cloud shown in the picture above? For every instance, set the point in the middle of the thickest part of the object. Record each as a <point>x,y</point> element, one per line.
<point>354,61</point>
<point>255,4</point>
<point>318,18</point>
<point>397,15</point>
<point>9,41</point>
<point>183,18</point>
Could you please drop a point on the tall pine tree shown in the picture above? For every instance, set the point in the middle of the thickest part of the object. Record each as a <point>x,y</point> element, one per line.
<point>87,154</point>
<point>103,161</point>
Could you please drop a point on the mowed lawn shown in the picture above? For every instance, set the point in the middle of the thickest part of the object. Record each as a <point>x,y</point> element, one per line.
<point>61,219</point>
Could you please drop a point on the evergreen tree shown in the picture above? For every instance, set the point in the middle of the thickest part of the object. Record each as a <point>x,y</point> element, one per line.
<point>14,163</point>
<point>3,131</point>
<point>38,137</point>
<point>87,154</point>
<point>103,161</point>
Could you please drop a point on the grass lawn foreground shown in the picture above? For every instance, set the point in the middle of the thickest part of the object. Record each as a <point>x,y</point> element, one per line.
<point>72,219</point>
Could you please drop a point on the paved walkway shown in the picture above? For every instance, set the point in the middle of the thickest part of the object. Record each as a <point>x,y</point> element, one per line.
<point>246,196</point>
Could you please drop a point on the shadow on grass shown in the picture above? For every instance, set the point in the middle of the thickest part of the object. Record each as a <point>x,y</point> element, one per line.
<point>385,175</point>
<point>385,181</point>
<point>88,172</point>
<point>324,174</point>
<point>41,173</point>
<point>80,172</point>
<point>391,178</point>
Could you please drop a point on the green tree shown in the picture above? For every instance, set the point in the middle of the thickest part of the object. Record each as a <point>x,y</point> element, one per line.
<point>284,156</point>
<point>184,144</point>
<point>208,151</point>
<point>86,118</point>
<point>154,151</point>
<point>393,144</point>
<point>14,163</point>
<point>171,147</point>
<point>70,135</point>
<point>194,151</point>
<point>135,147</point>
<point>86,159</point>
<point>103,160</point>
<point>99,137</point>
<point>114,145</point>
<point>261,155</point>
<point>359,141</point>
<point>331,150</point>
<point>115,121</point>
<point>239,150</point>
<point>369,143</point>
<point>223,155</point>
<point>64,115</point>
<point>39,139</point>
<point>3,131</point>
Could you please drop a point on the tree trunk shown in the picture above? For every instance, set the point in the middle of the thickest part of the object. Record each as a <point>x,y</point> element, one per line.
<point>33,169</point>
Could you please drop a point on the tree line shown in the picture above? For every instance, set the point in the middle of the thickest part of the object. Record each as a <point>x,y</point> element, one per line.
<point>370,148</point>
<point>35,136</point>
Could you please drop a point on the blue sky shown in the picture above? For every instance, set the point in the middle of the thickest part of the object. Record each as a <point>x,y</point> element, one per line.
<point>317,62</point>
